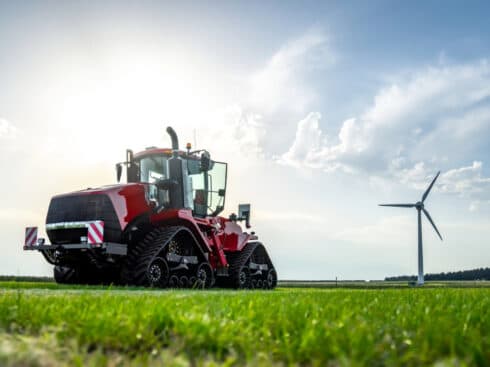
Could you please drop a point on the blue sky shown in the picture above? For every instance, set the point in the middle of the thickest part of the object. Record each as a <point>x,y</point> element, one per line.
<point>322,110</point>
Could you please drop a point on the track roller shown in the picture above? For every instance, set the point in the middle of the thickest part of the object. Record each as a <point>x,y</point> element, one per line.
<point>173,281</point>
<point>243,280</point>
<point>183,281</point>
<point>158,273</point>
<point>204,276</point>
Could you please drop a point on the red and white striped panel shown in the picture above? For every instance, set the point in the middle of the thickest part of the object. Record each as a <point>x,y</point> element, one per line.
<point>31,237</point>
<point>95,232</point>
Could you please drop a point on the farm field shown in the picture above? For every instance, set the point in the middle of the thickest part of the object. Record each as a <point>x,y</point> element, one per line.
<point>44,324</point>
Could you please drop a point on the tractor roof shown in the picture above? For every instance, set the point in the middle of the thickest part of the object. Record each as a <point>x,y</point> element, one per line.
<point>163,151</point>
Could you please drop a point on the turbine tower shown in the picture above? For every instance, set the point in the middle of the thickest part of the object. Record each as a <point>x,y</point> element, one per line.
<point>420,208</point>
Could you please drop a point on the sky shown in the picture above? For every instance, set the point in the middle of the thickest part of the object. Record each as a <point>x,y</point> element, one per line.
<point>321,109</point>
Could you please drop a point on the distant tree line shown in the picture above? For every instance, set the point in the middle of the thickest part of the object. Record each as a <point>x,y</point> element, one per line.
<point>474,274</point>
<point>27,278</point>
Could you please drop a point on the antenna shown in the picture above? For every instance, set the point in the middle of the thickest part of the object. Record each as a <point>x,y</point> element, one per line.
<point>195,138</point>
<point>420,208</point>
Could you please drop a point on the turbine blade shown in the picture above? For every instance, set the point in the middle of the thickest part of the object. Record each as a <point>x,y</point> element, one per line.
<point>430,187</point>
<point>432,222</point>
<point>399,205</point>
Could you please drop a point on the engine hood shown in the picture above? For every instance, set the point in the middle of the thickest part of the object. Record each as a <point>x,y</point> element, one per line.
<point>102,189</point>
<point>127,200</point>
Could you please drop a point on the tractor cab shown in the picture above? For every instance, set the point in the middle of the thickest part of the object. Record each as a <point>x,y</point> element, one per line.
<point>177,179</point>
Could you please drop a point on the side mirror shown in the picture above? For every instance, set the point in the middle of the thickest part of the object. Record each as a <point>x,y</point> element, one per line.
<point>205,161</point>
<point>244,214</point>
<point>118,171</point>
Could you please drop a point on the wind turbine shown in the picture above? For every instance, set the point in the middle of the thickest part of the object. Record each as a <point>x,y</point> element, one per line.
<point>420,208</point>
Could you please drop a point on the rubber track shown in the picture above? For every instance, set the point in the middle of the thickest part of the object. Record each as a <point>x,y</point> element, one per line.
<point>268,259</point>
<point>141,255</point>
<point>239,259</point>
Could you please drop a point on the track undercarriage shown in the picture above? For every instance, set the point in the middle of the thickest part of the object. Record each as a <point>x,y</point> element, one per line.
<point>170,257</point>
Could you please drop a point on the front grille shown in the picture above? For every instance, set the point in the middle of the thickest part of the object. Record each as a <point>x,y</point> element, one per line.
<point>82,208</point>
<point>72,235</point>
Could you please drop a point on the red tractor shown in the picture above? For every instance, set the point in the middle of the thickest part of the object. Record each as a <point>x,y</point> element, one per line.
<point>161,229</point>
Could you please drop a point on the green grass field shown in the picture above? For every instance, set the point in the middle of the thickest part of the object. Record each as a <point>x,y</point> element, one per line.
<point>46,324</point>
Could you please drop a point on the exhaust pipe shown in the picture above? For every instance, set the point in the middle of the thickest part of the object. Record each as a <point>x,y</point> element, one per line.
<point>173,136</point>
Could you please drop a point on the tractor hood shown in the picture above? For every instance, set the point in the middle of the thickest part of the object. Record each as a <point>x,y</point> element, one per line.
<point>116,205</point>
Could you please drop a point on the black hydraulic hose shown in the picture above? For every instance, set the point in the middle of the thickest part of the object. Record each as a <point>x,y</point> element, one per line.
<point>173,136</point>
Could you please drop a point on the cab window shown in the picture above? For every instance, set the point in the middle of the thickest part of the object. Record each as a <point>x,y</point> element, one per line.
<point>208,189</point>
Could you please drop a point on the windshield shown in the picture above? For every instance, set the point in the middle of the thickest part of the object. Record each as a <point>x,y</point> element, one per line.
<point>153,168</point>
<point>203,191</point>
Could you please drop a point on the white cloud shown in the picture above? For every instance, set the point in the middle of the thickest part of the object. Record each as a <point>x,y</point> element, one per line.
<point>418,176</point>
<point>7,129</point>
<point>409,119</point>
<point>466,181</point>
<point>414,128</point>
<point>307,143</point>
<point>270,98</point>
<point>279,85</point>
<point>310,147</point>
<point>237,131</point>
